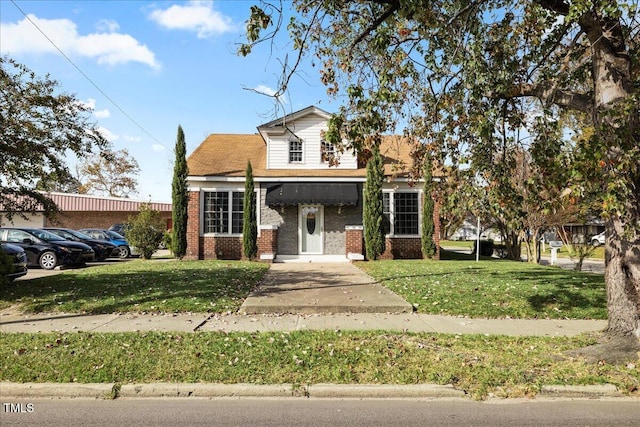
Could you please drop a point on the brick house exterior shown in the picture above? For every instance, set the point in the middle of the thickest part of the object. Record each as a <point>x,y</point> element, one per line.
<point>306,206</point>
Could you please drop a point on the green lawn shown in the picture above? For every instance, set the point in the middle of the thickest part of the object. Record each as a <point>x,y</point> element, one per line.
<point>467,245</point>
<point>493,288</point>
<point>479,365</point>
<point>140,286</point>
<point>489,288</point>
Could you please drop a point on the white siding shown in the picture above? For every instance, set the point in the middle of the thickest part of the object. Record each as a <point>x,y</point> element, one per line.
<point>308,129</point>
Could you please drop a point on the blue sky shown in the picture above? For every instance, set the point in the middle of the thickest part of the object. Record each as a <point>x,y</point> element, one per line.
<point>151,66</point>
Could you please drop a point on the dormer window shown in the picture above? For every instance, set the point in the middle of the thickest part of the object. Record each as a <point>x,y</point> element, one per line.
<point>295,151</point>
<point>327,152</point>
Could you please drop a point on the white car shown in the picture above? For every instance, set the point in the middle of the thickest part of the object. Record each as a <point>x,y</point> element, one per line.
<point>598,239</point>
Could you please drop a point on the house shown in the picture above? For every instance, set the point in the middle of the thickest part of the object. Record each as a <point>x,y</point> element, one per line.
<point>87,211</point>
<point>309,207</point>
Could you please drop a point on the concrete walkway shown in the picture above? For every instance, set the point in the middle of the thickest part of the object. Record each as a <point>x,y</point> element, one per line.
<point>302,296</point>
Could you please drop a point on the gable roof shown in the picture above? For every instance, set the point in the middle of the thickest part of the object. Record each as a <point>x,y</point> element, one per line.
<point>282,121</point>
<point>226,155</point>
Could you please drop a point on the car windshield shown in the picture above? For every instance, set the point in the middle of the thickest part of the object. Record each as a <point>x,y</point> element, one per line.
<point>80,235</point>
<point>115,235</point>
<point>47,236</point>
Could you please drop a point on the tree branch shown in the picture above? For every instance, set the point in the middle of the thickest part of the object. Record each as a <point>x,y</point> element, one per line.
<point>558,6</point>
<point>394,5</point>
<point>549,94</point>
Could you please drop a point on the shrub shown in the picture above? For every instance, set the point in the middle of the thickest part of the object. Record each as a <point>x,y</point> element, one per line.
<point>146,231</point>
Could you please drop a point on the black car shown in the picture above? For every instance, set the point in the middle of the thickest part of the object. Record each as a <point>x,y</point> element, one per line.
<point>122,246</point>
<point>102,248</point>
<point>18,257</point>
<point>45,249</point>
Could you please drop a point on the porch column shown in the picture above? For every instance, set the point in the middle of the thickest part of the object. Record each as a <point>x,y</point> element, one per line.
<point>193,226</point>
<point>268,242</point>
<point>354,242</point>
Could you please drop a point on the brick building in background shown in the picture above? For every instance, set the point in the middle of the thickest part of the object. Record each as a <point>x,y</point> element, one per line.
<point>87,211</point>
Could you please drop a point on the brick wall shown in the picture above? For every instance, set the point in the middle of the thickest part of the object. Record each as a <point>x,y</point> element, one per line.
<point>220,247</point>
<point>94,219</point>
<point>354,240</point>
<point>402,248</point>
<point>268,242</point>
<point>194,244</point>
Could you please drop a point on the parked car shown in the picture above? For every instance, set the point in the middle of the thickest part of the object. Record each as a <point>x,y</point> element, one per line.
<point>102,248</point>
<point>45,249</point>
<point>18,258</point>
<point>598,239</point>
<point>122,250</point>
<point>121,229</point>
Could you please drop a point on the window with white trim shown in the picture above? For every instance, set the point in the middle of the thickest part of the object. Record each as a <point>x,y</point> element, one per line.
<point>223,212</point>
<point>401,213</point>
<point>295,151</point>
<point>327,152</point>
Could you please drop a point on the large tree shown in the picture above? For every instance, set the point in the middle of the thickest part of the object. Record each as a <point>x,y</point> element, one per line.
<point>37,125</point>
<point>110,173</point>
<point>180,197</point>
<point>451,71</point>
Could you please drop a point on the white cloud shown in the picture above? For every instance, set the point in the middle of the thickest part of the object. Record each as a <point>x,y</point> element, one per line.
<point>130,138</point>
<point>266,90</point>
<point>157,147</point>
<point>105,47</point>
<point>196,16</point>
<point>107,26</point>
<point>108,135</point>
<point>101,114</point>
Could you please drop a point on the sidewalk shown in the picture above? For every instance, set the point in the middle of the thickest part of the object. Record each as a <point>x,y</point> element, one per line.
<point>301,296</point>
<point>296,296</point>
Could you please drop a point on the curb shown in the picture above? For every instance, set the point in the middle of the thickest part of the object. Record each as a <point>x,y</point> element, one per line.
<point>336,391</point>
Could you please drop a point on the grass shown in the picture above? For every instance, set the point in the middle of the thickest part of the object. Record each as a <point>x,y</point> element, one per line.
<point>479,365</point>
<point>139,286</point>
<point>598,252</point>
<point>489,288</point>
<point>493,288</point>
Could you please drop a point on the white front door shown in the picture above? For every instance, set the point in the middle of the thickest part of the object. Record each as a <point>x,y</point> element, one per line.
<point>310,227</point>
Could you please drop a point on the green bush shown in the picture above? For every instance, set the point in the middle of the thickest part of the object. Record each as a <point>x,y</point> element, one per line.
<point>146,231</point>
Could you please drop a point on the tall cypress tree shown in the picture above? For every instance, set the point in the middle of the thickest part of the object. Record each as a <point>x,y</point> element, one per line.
<point>428,226</point>
<point>249,223</point>
<point>373,209</point>
<point>180,198</point>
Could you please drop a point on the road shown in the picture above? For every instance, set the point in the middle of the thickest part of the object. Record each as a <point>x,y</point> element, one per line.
<point>318,412</point>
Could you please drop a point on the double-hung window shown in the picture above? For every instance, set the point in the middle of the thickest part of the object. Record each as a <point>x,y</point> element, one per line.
<point>401,213</point>
<point>223,212</point>
<point>295,151</point>
<point>327,152</point>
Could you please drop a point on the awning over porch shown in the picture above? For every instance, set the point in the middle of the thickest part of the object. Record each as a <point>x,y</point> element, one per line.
<point>328,194</point>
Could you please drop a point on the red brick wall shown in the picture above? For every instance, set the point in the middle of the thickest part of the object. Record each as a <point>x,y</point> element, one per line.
<point>94,219</point>
<point>268,242</point>
<point>402,248</point>
<point>221,248</point>
<point>194,248</point>
<point>354,241</point>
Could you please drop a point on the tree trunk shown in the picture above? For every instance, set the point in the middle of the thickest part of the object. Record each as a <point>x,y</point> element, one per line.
<point>617,125</point>
<point>622,277</point>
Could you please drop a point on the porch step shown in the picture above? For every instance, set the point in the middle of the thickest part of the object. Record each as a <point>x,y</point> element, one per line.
<point>311,258</point>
